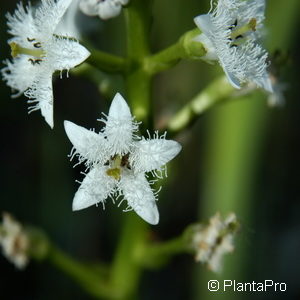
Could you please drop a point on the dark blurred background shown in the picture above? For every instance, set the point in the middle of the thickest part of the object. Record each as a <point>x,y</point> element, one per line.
<point>241,157</point>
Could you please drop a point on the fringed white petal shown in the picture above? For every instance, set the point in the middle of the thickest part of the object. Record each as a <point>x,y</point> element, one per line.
<point>95,188</point>
<point>152,154</point>
<point>21,19</point>
<point>64,54</point>
<point>20,73</point>
<point>140,197</point>
<point>40,94</point>
<point>120,127</point>
<point>88,144</point>
<point>48,15</point>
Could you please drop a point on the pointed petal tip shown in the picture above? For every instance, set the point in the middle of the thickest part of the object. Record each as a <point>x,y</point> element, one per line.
<point>177,147</point>
<point>49,120</point>
<point>69,128</point>
<point>203,22</point>
<point>149,214</point>
<point>67,124</point>
<point>233,80</point>
<point>119,107</point>
<point>79,202</point>
<point>267,84</point>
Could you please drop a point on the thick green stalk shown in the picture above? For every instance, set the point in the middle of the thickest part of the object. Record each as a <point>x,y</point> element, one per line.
<point>107,62</point>
<point>216,92</point>
<point>234,142</point>
<point>83,274</point>
<point>126,271</point>
<point>138,82</point>
<point>155,255</point>
<point>185,48</point>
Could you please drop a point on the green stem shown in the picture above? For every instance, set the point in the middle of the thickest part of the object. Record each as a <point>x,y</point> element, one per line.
<point>138,82</point>
<point>126,270</point>
<point>185,48</point>
<point>107,62</point>
<point>83,274</point>
<point>216,92</point>
<point>156,255</point>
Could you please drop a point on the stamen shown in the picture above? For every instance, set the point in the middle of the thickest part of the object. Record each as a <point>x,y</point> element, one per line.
<point>114,172</point>
<point>239,32</point>
<point>35,61</point>
<point>37,45</point>
<point>16,49</point>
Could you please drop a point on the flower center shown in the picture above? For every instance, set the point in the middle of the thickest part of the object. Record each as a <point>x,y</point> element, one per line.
<point>38,53</point>
<point>238,32</point>
<point>116,164</point>
<point>16,50</point>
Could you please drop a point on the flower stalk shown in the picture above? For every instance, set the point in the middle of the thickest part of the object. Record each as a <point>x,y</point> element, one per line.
<point>185,48</point>
<point>217,91</point>
<point>107,62</point>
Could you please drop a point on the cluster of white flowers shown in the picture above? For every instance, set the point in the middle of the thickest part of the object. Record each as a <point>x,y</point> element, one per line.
<point>14,241</point>
<point>118,160</point>
<point>211,242</point>
<point>230,33</point>
<point>116,157</point>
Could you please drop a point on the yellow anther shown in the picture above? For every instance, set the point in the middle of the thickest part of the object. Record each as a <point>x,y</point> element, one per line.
<point>252,24</point>
<point>16,50</point>
<point>239,31</point>
<point>114,172</point>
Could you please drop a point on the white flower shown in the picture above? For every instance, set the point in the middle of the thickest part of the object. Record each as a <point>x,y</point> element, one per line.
<point>14,241</point>
<point>211,242</point>
<point>118,160</point>
<point>230,33</point>
<point>38,52</point>
<point>106,9</point>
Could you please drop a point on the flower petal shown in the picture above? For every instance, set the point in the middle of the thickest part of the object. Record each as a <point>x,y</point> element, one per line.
<point>139,195</point>
<point>204,23</point>
<point>233,80</point>
<point>22,18</point>
<point>109,9</point>
<point>120,127</point>
<point>48,15</point>
<point>153,154</point>
<point>119,109</point>
<point>89,7</point>
<point>64,54</point>
<point>266,83</point>
<point>20,74</point>
<point>41,94</point>
<point>95,188</point>
<point>88,144</point>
